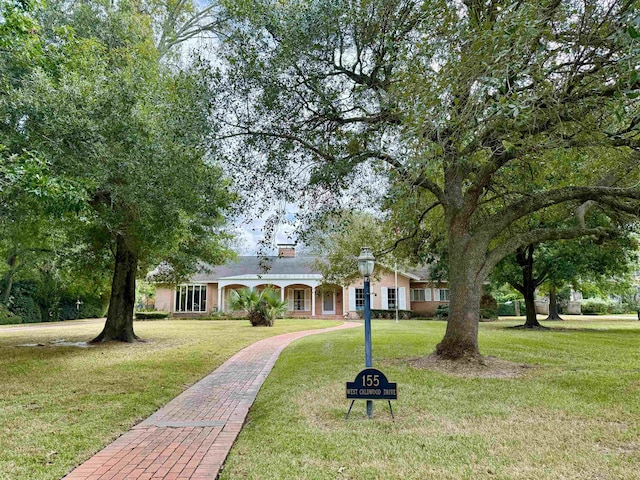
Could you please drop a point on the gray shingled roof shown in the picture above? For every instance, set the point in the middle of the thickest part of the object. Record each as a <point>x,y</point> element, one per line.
<point>252,265</point>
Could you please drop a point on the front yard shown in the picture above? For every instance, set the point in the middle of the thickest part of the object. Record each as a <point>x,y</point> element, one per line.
<point>573,412</point>
<point>61,404</point>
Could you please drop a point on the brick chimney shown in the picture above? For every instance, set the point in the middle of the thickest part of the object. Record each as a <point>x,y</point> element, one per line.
<point>286,250</point>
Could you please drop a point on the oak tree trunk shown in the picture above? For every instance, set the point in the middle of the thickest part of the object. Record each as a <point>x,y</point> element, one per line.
<point>119,324</point>
<point>531,319</point>
<point>553,304</point>
<point>524,258</point>
<point>465,287</point>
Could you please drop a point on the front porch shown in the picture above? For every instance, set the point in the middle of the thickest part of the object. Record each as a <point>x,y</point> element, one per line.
<point>308,299</point>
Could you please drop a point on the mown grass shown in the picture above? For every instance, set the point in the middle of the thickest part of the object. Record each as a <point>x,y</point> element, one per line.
<point>574,415</point>
<point>61,404</point>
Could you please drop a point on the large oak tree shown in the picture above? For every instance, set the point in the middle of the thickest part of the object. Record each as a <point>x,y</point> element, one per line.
<point>108,116</point>
<point>452,105</point>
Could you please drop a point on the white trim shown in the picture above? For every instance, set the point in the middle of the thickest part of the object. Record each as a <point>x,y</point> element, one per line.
<point>313,301</point>
<point>252,283</point>
<point>272,276</point>
<point>401,298</point>
<point>352,299</point>
<point>307,300</point>
<point>384,298</point>
<point>290,299</point>
<point>182,290</point>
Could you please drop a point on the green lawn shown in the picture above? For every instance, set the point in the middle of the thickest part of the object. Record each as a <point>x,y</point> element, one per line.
<point>574,415</point>
<point>61,404</point>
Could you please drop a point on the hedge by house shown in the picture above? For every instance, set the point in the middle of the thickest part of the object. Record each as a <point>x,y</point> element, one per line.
<point>151,315</point>
<point>388,314</point>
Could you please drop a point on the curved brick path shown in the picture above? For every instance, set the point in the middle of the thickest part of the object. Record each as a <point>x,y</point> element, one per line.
<point>190,437</point>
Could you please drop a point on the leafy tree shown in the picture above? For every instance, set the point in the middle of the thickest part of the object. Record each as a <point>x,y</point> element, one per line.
<point>450,107</point>
<point>109,117</point>
<point>556,264</point>
<point>337,240</point>
<point>262,307</point>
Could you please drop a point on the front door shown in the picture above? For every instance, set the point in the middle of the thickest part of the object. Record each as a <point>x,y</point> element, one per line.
<point>328,303</point>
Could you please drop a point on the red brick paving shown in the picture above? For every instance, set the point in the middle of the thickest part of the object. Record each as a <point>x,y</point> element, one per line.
<point>190,437</point>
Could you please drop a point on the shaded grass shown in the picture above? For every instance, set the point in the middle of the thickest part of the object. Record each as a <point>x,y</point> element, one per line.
<point>59,405</point>
<point>574,415</point>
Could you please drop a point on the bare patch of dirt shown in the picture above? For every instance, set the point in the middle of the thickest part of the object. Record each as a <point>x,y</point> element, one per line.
<point>488,367</point>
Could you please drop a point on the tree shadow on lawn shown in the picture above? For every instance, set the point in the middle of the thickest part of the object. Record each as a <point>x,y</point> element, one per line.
<point>564,329</point>
<point>489,367</point>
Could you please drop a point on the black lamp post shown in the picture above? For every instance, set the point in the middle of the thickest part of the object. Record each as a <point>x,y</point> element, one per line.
<point>366,263</point>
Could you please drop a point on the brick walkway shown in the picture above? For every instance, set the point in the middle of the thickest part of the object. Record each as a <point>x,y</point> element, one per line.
<point>190,437</point>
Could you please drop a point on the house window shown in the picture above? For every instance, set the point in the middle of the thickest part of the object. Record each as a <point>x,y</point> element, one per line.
<point>444,295</point>
<point>191,298</point>
<point>359,298</point>
<point>298,300</point>
<point>391,298</point>
<point>420,294</point>
<point>417,295</point>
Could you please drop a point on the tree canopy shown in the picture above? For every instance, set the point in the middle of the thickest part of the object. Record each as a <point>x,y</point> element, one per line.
<point>469,115</point>
<point>107,116</point>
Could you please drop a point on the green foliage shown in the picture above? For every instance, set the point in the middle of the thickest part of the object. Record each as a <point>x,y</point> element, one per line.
<point>26,307</point>
<point>338,239</point>
<point>462,120</point>
<point>594,306</point>
<point>151,315</point>
<point>442,312</point>
<point>91,306</point>
<point>387,314</point>
<point>7,317</point>
<point>108,146</point>
<point>262,307</point>
<point>600,306</point>
<point>507,309</point>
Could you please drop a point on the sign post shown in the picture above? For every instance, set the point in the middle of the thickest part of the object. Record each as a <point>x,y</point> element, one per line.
<point>368,359</point>
<point>370,384</point>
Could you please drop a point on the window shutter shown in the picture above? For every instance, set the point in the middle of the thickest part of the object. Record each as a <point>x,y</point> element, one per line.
<point>402,299</point>
<point>352,299</point>
<point>427,294</point>
<point>384,297</point>
<point>307,300</point>
<point>290,299</point>
<point>436,294</point>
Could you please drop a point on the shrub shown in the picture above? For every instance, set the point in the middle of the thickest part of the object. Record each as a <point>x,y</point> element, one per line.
<point>594,306</point>
<point>488,314</point>
<point>151,315</point>
<point>388,314</point>
<point>442,311</point>
<point>90,307</point>
<point>7,317</point>
<point>27,308</point>
<point>262,307</point>
<point>507,309</point>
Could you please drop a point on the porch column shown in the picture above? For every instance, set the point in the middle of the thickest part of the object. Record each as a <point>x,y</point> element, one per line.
<point>222,300</point>
<point>282,294</point>
<point>219,304</point>
<point>313,301</point>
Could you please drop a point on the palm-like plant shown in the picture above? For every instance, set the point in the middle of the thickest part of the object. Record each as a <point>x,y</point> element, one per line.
<point>262,307</point>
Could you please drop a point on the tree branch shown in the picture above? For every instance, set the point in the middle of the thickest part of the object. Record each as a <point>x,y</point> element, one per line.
<point>538,235</point>
<point>496,223</point>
